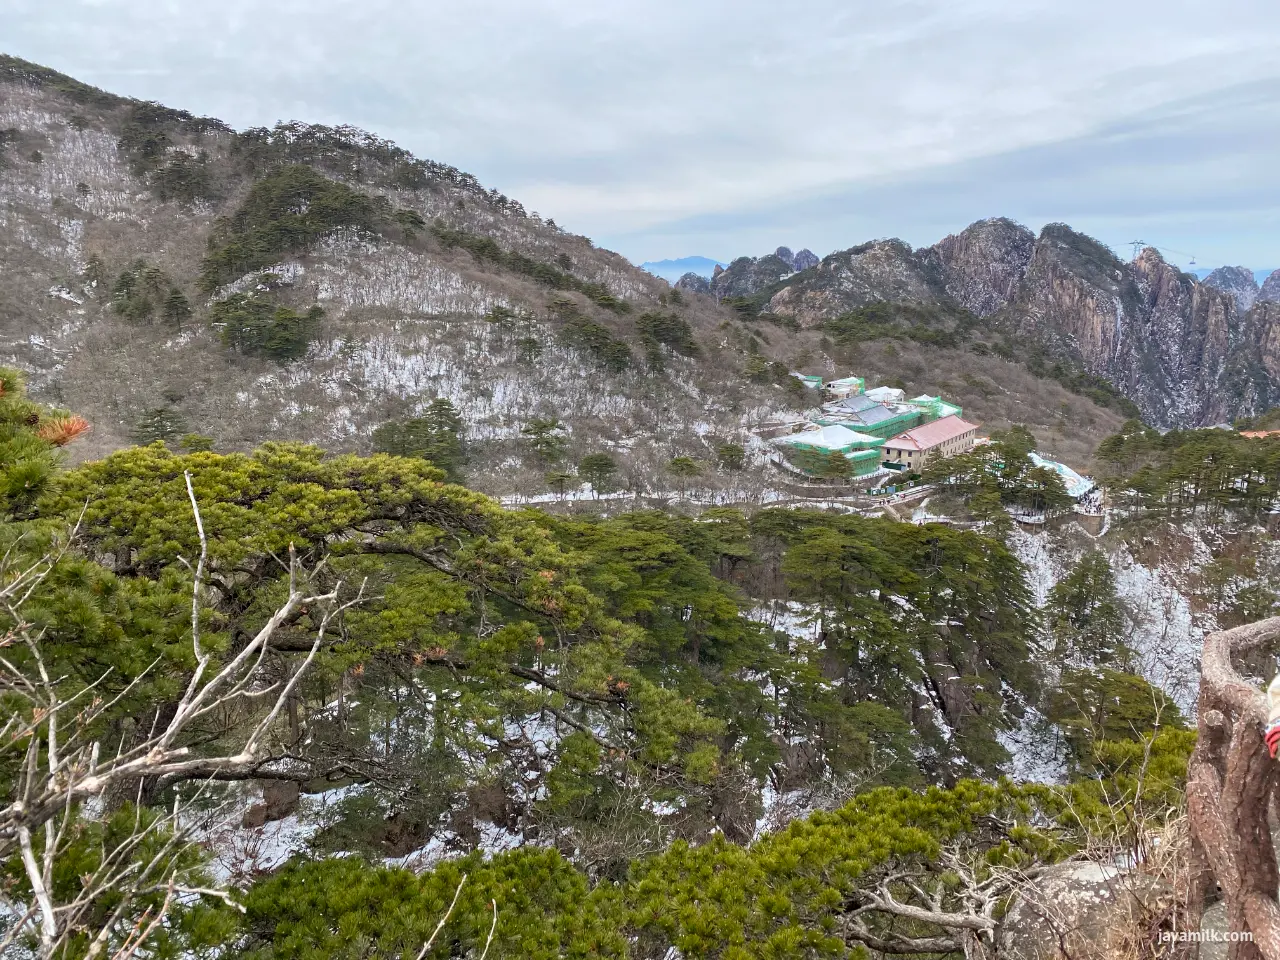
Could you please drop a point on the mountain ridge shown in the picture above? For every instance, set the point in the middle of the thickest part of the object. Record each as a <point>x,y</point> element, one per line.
<point>1186,353</point>
<point>164,274</point>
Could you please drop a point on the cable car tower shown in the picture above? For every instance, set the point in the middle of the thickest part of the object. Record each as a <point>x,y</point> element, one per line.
<point>1139,244</point>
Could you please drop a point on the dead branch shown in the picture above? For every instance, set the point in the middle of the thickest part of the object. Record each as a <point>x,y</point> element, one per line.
<point>62,768</point>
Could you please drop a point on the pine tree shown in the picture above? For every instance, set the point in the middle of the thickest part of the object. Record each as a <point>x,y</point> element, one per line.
<point>436,435</point>
<point>545,436</point>
<point>176,307</point>
<point>1086,614</point>
<point>684,469</point>
<point>731,456</point>
<point>598,469</point>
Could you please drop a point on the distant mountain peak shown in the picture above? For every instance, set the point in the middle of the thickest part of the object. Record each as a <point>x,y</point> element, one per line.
<point>1237,281</point>
<point>1271,288</point>
<point>673,270</point>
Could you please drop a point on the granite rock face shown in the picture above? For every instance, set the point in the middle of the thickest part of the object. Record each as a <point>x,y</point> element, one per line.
<point>805,259</point>
<point>1237,281</point>
<point>1271,288</point>
<point>1081,911</point>
<point>985,264</point>
<point>876,271</point>
<point>747,276</point>
<point>694,283</point>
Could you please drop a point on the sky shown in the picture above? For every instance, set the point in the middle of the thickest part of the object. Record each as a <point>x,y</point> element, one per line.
<point>730,127</point>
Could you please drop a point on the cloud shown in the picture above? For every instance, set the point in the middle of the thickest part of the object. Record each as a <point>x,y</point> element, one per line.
<point>1194,176</point>
<point>665,126</point>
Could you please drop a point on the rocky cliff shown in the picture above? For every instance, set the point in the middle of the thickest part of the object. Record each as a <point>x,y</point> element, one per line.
<point>748,276</point>
<point>1186,353</point>
<point>1237,281</point>
<point>1271,288</point>
<point>984,265</point>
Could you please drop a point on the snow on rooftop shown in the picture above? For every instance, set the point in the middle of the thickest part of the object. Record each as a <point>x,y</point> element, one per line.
<point>835,437</point>
<point>1077,486</point>
<point>886,394</point>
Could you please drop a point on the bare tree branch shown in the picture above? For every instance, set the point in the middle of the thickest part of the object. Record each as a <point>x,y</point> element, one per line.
<point>63,767</point>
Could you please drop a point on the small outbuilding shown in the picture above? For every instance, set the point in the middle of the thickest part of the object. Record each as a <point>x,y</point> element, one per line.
<point>934,408</point>
<point>846,387</point>
<point>886,394</point>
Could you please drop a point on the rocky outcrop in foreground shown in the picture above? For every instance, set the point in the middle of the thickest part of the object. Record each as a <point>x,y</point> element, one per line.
<point>1083,911</point>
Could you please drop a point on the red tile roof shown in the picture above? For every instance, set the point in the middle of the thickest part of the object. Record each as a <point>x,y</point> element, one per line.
<point>931,434</point>
<point>1259,434</point>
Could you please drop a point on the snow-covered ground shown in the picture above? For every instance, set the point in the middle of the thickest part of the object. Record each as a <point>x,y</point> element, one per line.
<point>1167,638</point>
<point>798,620</point>
<point>1037,750</point>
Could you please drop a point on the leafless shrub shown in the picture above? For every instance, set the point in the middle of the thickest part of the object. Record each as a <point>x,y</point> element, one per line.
<point>65,773</point>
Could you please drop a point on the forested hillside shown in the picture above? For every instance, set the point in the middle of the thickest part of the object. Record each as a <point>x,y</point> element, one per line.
<point>167,275</point>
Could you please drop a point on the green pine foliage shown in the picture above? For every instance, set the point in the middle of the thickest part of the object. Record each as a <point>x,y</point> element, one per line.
<point>1085,613</point>
<point>1187,470</point>
<point>922,323</point>
<point>732,456</point>
<point>347,910</point>
<point>257,326</point>
<point>546,438</point>
<point>594,339</point>
<point>184,179</point>
<point>350,154</point>
<point>627,634</point>
<point>834,466</point>
<point>159,425</point>
<point>8,137</point>
<point>599,470</point>
<point>436,436</point>
<point>926,621</point>
<point>781,897</point>
<point>30,437</point>
<point>1100,704</point>
<point>142,292</point>
<point>658,330</point>
<point>999,475</point>
<point>286,212</point>
<point>16,70</point>
<point>147,139</point>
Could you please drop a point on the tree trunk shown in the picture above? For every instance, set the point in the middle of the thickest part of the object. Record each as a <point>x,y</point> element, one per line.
<point>1231,783</point>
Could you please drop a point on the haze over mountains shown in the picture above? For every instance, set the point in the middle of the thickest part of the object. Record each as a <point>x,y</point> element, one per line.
<point>673,270</point>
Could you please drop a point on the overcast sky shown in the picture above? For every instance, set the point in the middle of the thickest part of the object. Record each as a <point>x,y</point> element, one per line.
<point>664,128</point>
